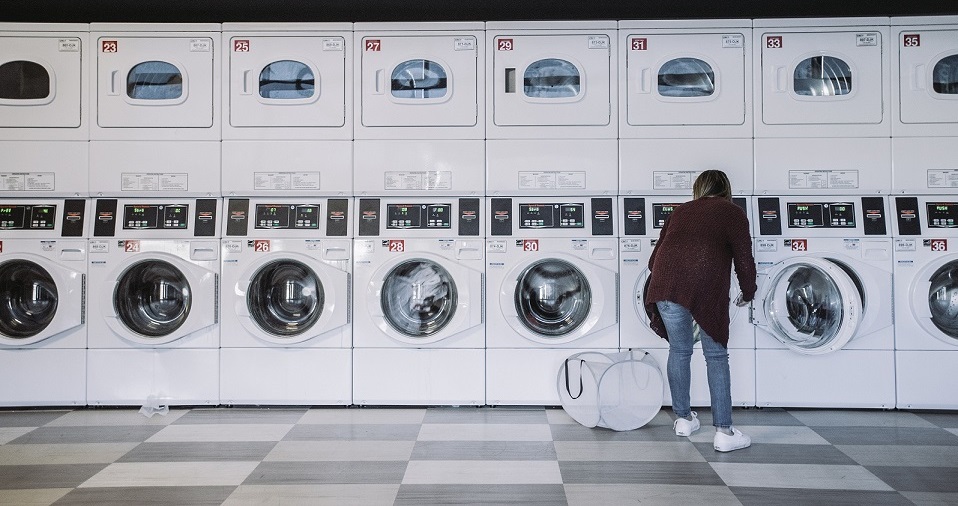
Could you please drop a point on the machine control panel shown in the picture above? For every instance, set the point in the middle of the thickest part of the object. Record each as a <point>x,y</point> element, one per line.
<point>552,215</point>
<point>942,214</point>
<point>28,217</point>
<point>809,215</point>
<point>418,216</point>
<point>865,215</point>
<point>661,213</point>
<point>287,216</point>
<point>154,217</point>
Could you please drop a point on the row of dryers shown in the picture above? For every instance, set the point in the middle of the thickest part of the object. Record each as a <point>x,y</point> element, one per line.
<point>455,300</point>
<point>784,106</point>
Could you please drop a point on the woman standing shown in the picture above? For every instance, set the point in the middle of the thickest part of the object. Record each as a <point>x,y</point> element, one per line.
<point>690,268</point>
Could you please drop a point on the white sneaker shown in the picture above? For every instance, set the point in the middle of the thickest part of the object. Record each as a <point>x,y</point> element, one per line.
<point>725,443</point>
<point>685,427</point>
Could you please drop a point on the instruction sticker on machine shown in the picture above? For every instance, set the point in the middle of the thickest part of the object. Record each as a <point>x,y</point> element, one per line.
<point>27,181</point>
<point>672,180</point>
<point>418,180</point>
<point>943,178</point>
<point>551,180</point>
<point>130,181</point>
<point>823,179</point>
<point>286,180</point>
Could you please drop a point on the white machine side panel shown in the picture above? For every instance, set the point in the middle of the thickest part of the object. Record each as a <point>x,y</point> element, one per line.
<point>785,379</point>
<point>670,166</point>
<point>916,370</point>
<point>286,168</point>
<point>285,376</point>
<point>43,377</point>
<point>44,168</point>
<point>551,167</point>
<point>419,167</point>
<point>925,165</point>
<point>155,168</point>
<point>418,376</point>
<point>60,59</point>
<point>172,377</point>
<point>822,166</point>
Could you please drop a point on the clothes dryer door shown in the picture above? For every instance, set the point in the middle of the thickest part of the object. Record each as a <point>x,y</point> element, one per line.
<point>812,305</point>
<point>40,81</point>
<point>38,299</point>
<point>928,80</point>
<point>935,299</point>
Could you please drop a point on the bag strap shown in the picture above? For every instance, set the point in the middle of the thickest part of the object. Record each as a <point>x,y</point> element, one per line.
<point>568,386</point>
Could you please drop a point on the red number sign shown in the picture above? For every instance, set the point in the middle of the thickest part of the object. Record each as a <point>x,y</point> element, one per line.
<point>261,246</point>
<point>938,245</point>
<point>131,246</point>
<point>374,45</point>
<point>241,46</point>
<point>773,42</point>
<point>504,45</point>
<point>640,44</point>
<point>397,245</point>
<point>799,244</point>
<point>911,40</point>
<point>108,46</point>
<point>530,245</point>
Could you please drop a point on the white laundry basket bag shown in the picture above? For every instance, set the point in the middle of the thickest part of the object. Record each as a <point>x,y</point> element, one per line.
<point>619,391</point>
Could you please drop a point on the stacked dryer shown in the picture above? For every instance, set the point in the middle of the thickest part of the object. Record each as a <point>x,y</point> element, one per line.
<point>925,170</point>
<point>286,248</point>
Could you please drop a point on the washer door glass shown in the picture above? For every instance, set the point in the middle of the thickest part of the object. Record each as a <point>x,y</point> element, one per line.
<point>552,297</point>
<point>418,297</point>
<point>551,78</point>
<point>805,307</point>
<point>419,79</point>
<point>945,75</point>
<point>24,80</point>
<point>943,299</point>
<point>823,76</point>
<point>286,80</point>
<point>686,77</point>
<point>28,299</point>
<point>154,80</point>
<point>285,298</point>
<point>152,298</point>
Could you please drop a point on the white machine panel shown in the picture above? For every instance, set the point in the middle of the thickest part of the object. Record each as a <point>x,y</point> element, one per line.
<point>670,166</point>
<point>926,75</point>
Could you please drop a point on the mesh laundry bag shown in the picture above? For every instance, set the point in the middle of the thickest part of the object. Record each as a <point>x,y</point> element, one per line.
<point>619,391</point>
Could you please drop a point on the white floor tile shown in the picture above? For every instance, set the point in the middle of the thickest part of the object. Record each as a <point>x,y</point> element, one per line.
<point>875,418</point>
<point>316,451</point>
<point>422,472</point>
<point>768,434</point>
<point>319,495</point>
<point>8,434</point>
<point>115,417</point>
<point>953,431</point>
<point>172,474</point>
<point>220,432</point>
<point>559,417</point>
<point>651,495</point>
<point>45,454</point>
<point>34,497</point>
<point>485,432</point>
<point>363,416</point>
<point>633,451</point>
<point>831,477</point>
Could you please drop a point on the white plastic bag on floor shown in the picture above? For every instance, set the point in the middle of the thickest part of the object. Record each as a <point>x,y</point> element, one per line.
<point>619,391</point>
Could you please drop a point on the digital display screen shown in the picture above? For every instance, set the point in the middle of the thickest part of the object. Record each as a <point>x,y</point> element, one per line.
<point>661,212</point>
<point>827,215</point>
<point>942,214</point>
<point>28,217</point>
<point>418,216</point>
<point>571,215</point>
<point>155,217</point>
<point>287,216</point>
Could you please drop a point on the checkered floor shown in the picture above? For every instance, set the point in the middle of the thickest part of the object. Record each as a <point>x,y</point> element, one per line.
<point>470,455</point>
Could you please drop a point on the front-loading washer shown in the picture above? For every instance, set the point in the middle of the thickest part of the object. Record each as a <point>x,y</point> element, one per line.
<point>418,330</point>
<point>822,94</point>
<point>419,118</point>
<point>43,334</point>
<point>288,99</point>
<point>685,104</point>
<point>926,291</point>
<point>44,114</point>
<point>551,291</point>
<point>824,333</point>
<point>286,332</point>
<point>155,95</point>
<point>552,118</point>
<point>154,302</point>
<point>925,105</point>
<point>642,219</point>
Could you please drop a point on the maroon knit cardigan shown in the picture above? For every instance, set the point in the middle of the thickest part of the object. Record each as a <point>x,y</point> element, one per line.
<point>692,261</point>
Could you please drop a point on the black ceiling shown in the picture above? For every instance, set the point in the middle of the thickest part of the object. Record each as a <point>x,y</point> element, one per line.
<point>447,10</point>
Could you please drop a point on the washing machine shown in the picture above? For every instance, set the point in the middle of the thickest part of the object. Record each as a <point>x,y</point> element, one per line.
<point>685,104</point>
<point>418,329</point>
<point>155,94</point>
<point>286,334</point>
<point>43,254</point>
<point>552,125</point>
<point>419,119</point>
<point>642,219</point>
<point>288,98</point>
<point>822,94</point>
<point>44,114</point>
<point>926,319</point>
<point>824,333</point>
<point>551,291</point>
<point>925,107</point>
<point>153,308</point>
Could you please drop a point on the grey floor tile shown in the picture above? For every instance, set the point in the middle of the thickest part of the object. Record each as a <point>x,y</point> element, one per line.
<point>354,415</point>
<point>242,415</point>
<point>75,435</point>
<point>666,473</point>
<point>32,497</point>
<point>199,452</point>
<point>28,418</point>
<point>918,479</point>
<point>580,433</point>
<point>115,416</point>
<point>307,473</point>
<point>932,498</point>
<point>919,456</point>
<point>631,451</point>
<point>486,415</point>
<point>154,496</point>
<point>859,418</point>
<point>485,432</point>
<point>808,476</point>
<point>484,450</point>
<point>481,494</point>
<point>46,454</point>
<point>800,496</point>
<point>750,416</point>
<point>650,495</point>
<point>945,420</point>
<point>777,454</point>
<point>887,436</point>
<point>353,432</point>
<point>47,476</point>
<point>313,495</point>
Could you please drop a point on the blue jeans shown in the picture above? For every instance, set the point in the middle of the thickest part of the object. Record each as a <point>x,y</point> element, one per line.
<point>678,324</point>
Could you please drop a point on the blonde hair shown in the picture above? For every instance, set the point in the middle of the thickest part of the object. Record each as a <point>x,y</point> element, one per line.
<point>712,183</point>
